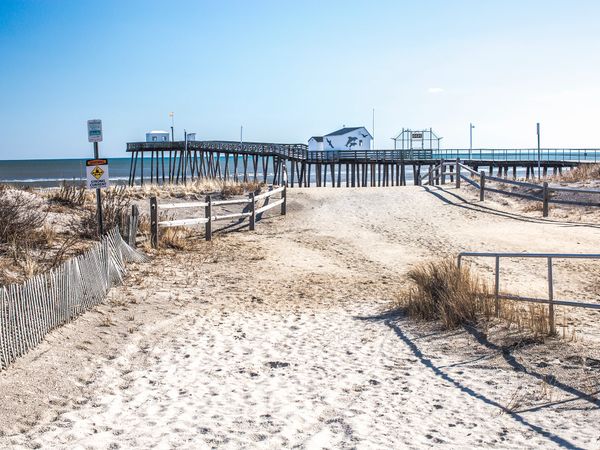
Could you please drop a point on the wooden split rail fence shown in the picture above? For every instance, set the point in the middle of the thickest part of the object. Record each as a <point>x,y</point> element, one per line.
<point>30,310</point>
<point>542,193</point>
<point>251,211</point>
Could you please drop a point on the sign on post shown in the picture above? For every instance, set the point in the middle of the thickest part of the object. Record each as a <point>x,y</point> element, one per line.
<point>97,173</point>
<point>94,130</point>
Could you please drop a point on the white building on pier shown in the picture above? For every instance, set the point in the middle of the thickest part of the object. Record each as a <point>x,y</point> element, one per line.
<point>347,138</point>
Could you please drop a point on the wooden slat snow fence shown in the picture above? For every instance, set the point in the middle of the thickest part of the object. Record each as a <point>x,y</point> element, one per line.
<point>542,193</point>
<point>251,211</point>
<point>30,310</point>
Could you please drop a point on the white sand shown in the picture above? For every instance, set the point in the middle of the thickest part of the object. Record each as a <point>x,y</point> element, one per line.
<point>276,339</point>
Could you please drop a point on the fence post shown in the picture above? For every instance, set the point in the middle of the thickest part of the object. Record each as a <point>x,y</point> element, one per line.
<point>208,215</point>
<point>284,204</point>
<point>133,225</point>
<point>252,212</point>
<point>482,186</point>
<point>550,299</point>
<point>545,195</point>
<point>153,222</point>
<point>443,171</point>
<point>497,286</point>
<point>457,173</point>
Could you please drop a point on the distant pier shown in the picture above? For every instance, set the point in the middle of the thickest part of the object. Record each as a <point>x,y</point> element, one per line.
<point>181,162</point>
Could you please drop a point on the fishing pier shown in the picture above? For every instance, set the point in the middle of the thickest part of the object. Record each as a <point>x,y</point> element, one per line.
<point>186,161</point>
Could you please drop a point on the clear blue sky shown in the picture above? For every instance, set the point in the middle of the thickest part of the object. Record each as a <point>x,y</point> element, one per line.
<point>289,70</point>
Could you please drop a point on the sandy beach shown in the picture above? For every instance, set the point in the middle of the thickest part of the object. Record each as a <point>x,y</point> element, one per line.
<point>282,338</point>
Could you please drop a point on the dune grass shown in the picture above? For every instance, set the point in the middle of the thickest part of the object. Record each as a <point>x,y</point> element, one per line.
<point>581,173</point>
<point>441,291</point>
<point>194,189</point>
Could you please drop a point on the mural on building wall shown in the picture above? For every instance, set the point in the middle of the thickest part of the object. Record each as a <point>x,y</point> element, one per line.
<point>347,138</point>
<point>351,142</point>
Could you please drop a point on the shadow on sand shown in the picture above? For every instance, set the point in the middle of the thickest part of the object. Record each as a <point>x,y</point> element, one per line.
<point>392,319</point>
<point>462,202</point>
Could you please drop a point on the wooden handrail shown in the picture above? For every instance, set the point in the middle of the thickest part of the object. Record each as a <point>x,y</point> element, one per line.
<point>545,189</point>
<point>209,217</point>
<point>182,205</point>
<point>269,193</point>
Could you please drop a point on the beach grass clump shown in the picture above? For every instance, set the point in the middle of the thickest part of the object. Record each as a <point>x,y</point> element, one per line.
<point>194,189</point>
<point>176,238</point>
<point>21,213</point>
<point>533,206</point>
<point>69,195</point>
<point>442,291</point>
<point>581,173</point>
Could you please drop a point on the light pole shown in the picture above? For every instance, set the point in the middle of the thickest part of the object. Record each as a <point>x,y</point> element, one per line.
<point>471,126</point>
<point>373,128</point>
<point>172,116</point>
<point>539,151</point>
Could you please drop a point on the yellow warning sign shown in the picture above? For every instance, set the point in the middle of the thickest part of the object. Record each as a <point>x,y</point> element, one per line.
<point>97,172</point>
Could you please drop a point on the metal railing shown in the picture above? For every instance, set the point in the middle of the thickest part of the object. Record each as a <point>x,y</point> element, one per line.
<point>551,301</point>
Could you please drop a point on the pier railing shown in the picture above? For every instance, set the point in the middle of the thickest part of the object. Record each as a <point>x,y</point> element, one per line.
<point>521,154</point>
<point>301,152</point>
<point>252,209</point>
<point>550,301</point>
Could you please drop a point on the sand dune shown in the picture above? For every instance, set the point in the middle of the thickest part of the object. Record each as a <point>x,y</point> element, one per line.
<point>279,339</point>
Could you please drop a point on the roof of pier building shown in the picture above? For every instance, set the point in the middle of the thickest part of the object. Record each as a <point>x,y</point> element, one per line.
<point>347,130</point>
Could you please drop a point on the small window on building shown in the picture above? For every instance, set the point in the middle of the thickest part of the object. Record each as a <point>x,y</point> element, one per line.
<point>153,138</point>
<point>164,138</point>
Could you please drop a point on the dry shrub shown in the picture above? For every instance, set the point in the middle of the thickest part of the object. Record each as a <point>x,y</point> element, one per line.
<point>69,195</point>
<point>177,238</point>
<point>115,204</point>
<point>533,207</point>
<point>21,213</point>
<point>583,172</point>
<point>144,225</point>
<point>24,259</point>
<point>229,189</point>
<point>443,291</point>
<point>531,317</point>
<point>195,189</point>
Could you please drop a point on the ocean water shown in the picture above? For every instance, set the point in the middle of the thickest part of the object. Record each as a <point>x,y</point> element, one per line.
<point>51,172</point>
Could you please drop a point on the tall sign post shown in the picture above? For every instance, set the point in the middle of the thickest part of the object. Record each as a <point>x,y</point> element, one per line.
<point>97,169</point>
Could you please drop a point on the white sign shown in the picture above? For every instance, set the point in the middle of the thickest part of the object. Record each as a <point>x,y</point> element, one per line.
<point>97,173</point>
<point>94,130</point>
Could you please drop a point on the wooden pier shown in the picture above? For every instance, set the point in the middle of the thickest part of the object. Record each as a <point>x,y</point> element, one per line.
<point>181,162</point>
